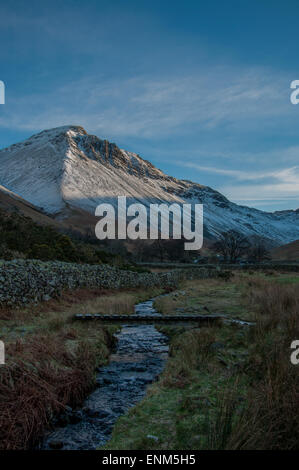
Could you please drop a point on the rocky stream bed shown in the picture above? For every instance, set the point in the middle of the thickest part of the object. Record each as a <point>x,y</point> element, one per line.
<point>137,361</point>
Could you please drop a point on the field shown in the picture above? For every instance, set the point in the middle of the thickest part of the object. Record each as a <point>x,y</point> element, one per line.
<point>229,386</point>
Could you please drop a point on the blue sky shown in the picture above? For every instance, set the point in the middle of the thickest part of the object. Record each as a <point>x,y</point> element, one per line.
<point>201,89</point>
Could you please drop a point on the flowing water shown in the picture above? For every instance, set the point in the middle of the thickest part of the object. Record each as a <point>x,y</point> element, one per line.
<point>139,358</point>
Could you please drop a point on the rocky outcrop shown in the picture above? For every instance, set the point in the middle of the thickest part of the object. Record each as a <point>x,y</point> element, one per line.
<point>28,281</point>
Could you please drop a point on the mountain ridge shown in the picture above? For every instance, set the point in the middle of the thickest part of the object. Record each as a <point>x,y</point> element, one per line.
<point>65,169</point>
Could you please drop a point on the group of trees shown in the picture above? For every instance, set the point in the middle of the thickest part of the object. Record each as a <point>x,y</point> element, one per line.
<point>233,246</point>
<point>162,250</point>
<point>21,237</point>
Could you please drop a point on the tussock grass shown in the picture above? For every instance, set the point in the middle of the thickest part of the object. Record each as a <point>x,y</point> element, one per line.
<point>277,306</point>
<point>188,351</point>
<point>51,360</point>
<point>225,387</point>
<point>269,416</point>
<point>270,419</point>
<point>219,428</point>
<point>209,296</point>
<point>118,303</point>
<point>42,376</point>
<point>165,305</point>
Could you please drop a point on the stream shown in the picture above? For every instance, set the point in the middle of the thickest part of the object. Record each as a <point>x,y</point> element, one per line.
<point>138,360</point>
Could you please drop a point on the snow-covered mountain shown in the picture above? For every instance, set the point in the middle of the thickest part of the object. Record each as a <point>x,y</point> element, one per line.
<point>65,169</point>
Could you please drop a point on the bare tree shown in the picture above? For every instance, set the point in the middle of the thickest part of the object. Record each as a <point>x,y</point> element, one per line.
<point>231,245</point>
<point>259,252</point>
<point>159,248</point>
<point>139,249</point>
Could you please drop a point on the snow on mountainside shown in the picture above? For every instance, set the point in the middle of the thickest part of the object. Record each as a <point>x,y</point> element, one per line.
<point>64,168</point>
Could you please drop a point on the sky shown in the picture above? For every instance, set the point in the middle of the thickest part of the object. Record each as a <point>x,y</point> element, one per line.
<point>201,89</point>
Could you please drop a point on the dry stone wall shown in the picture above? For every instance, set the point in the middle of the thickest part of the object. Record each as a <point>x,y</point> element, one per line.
<point>28,281</point>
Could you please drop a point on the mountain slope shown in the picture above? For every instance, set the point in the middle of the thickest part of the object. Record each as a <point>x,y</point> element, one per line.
<point>78,220</point>
<point>289,252</point>
<point>64,170</point>
<point>12,203</point>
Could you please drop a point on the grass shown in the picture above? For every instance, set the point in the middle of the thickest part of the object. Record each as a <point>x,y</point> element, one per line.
<point>270,419</point>
<point>56,313</point>
<point>224,386</point>
<point>288,279</point>
<point>51,360</point>
<point>228,387</point>
<point>213,296</point>
<point>182,407</point>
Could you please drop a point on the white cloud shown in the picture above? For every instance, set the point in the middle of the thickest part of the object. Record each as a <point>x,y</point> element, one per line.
<point>286,175</point>
<point>285,186</point>
<point>247,101</point>
<point>143,106</point>
<point>238,174</point>
<point>275,185</point>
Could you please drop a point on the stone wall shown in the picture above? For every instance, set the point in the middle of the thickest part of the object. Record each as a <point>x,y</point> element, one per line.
<point>26,281</point>
<point>291,267</point>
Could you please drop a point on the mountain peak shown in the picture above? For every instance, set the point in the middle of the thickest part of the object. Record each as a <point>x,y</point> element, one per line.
<point>66,168</point>
<point>61,130</point>
<point>58,132</point>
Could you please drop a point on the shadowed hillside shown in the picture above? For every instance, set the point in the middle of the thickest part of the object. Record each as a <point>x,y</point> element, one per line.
<point>289,252</point>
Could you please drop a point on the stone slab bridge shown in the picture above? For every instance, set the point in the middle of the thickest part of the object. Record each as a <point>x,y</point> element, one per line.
<point>148,318</point>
